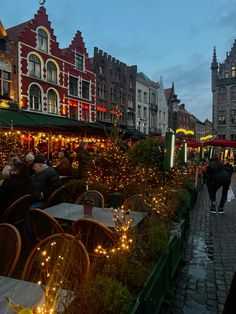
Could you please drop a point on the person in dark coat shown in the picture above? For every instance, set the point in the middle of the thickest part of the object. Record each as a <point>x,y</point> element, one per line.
<point>45,181</point>
<point>63,167</point>
<point>18,184</point>
<point>217,176</point>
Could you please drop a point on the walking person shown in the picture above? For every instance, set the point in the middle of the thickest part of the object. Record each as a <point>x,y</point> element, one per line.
<point>217,176</point>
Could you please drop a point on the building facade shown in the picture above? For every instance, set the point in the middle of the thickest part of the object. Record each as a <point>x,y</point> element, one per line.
<point>46,79</point>
<point>223,86</point>
<point>173,107</point>
<point>142,103</point>
<point>116,90</point>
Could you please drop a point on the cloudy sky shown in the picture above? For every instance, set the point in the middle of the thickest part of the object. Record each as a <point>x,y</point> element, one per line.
<point>169,38</point>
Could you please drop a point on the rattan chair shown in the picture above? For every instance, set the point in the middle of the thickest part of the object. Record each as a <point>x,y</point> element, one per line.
<point>59,259</point>
<point>93,233</point>
<point>43,224</point>
<point>56,197</point>
<point>10,248</point>
<point>138,203</point>
<point>16,213</point>
<point>95,195</point>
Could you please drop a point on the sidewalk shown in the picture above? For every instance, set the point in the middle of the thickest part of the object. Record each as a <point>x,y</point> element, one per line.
<point>210,255</point>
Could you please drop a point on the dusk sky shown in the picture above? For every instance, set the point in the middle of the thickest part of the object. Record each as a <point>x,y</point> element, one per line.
<point>169,38</point>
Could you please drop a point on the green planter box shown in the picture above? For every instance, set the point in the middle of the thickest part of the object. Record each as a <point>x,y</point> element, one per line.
<point>153,294</point>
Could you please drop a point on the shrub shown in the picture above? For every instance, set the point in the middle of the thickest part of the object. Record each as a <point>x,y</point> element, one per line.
<point>101,295</point>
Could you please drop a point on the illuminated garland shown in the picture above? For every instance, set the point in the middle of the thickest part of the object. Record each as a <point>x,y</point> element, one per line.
<point>123,223</point>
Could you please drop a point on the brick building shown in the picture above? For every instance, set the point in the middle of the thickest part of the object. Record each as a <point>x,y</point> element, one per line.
<point>42,77</point>
<point>115,89</point>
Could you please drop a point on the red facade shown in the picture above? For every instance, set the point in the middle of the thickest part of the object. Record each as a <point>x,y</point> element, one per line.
<point>48,79</point>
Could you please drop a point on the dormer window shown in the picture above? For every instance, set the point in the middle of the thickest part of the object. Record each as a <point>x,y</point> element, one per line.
<point>42,40</point>
<point>79,62</point>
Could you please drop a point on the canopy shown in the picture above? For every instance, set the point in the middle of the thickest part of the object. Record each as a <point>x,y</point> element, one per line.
<point>190,143</point>
<point>220,142</point>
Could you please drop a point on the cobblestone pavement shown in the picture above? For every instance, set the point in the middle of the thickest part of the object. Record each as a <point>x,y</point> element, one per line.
<point>210,254</point>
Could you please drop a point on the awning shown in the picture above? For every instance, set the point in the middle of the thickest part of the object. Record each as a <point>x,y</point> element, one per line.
<point>220,142</point>
<point>14,118</point>
<point>190,143</point>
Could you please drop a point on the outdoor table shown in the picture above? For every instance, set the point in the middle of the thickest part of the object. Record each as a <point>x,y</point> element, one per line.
<point>72,212</point>
<point>21,292</point>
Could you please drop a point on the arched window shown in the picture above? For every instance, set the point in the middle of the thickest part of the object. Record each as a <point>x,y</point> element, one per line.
<point>233,71</point>
<point>34,66</point>
<point>35,98</point>
<point>51,72</point>
<point>42,40</point>
<point>52,101</point>
<point>222,96</point>
<point>233,93</point>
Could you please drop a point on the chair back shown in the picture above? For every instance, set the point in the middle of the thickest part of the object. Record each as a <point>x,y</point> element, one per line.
<point>93,233</point>
<point>43,224</point>
<point>17,212</point>
<point>138,203</point>
<point>56,197</point>
<point>59,259</point>
<point>95,195</point>
<point>10,248</point>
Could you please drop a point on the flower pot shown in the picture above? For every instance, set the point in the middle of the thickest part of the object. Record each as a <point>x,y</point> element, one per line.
<point>88,209</point>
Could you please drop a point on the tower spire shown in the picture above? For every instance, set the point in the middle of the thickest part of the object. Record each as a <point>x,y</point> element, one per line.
<point>214,64</point>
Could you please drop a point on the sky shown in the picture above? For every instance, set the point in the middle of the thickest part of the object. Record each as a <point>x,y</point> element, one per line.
<point>172,39</point>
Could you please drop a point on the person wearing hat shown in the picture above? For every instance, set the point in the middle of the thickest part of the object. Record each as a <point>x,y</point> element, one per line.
<point>18,184</point>
<point>45,181</point>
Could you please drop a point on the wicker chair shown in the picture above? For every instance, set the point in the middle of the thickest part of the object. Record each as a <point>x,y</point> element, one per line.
<point>59,258</point>
<point>138,202</point>
<point>97,196</point>
<point>56,197</point>
<point>17,214</point>
<point>43,224</point>
<point>93,233</point>
<point>10,248</point>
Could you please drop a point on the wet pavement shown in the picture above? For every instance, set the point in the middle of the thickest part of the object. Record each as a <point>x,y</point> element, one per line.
<point>210,258</point>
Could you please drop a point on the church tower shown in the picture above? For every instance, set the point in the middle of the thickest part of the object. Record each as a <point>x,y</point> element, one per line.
<point>223,87</point>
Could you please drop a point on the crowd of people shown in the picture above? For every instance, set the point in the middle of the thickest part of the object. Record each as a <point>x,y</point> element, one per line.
<point>34,175</point>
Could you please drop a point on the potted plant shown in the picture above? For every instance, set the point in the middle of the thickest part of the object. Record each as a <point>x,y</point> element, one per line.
<point>88,206</point>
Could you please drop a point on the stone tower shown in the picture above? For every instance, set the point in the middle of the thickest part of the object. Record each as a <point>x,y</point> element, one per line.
<point>223,87</point>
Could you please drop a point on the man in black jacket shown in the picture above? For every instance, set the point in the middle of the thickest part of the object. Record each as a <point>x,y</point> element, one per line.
<point>217,176</point>
<point>45,181</point>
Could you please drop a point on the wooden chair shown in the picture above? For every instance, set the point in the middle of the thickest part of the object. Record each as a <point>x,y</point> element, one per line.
<point>97,196</point>
<point>93,233</point>
<point>56,197</point>
<point>58,259</point>
<point>43,224</point>
<point>138,203</point>
<point>10,248</point>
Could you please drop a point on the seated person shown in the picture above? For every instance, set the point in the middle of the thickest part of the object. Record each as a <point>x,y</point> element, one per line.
<point>63,167</point>
<point>29,159</point>
<point>6,171</point>
<point>45,181</point>
<point>18,184</point>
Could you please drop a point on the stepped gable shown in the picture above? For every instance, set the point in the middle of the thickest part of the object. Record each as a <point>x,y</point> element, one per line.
<point>19,32</point>
<point>77,44</point>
